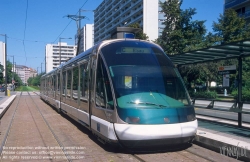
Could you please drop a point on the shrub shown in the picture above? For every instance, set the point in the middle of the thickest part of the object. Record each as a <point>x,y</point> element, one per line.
<point>207,95</point>
<point>245,94</point>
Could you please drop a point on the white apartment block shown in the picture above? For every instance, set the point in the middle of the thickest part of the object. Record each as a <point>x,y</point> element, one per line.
<point>87,37</point>
<point>2,55</point>
<point>25,72</point>
<point>52,54</point>
<point>120,13</point>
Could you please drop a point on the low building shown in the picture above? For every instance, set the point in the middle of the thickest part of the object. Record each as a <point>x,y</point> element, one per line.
<point>25,72</point>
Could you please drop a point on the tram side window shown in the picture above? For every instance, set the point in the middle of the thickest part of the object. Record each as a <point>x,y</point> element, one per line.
<point>69,81</point>
<point>54,84</point>
<point>104,97</point>
<point>47,85</point>
<point>84,74</point>
<point>58,83</point>
<point>50,85</point>
<point>64,83</point>
<point>75,82</point>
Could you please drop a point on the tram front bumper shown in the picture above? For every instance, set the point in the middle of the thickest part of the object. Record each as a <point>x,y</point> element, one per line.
<point>153,135</point>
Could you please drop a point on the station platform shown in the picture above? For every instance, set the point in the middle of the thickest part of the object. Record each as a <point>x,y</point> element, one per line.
<point>220,135</point>
<point>224,136</point>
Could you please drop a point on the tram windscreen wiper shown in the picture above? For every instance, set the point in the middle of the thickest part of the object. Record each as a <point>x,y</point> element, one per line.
<point>147,103</point>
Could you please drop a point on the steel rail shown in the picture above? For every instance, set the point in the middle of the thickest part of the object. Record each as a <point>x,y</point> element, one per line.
<point>53,133</point>
<point>8,130</point>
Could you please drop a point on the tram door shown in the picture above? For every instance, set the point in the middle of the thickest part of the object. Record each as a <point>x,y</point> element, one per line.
<point>92,85</point>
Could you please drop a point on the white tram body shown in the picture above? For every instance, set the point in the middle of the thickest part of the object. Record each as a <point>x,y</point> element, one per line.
<point>125,91</point>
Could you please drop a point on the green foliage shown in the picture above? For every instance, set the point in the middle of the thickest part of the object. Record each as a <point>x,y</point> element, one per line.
<point>35,81</point>
<point>35,88</point>
<point>199,74</point>
<point>206,95</point>
<point>245,94</point>
<point>27,88</point>
<point>19,88</point>
<point>10,75</point>
<point>180,34</point>
<point>1,74</point>
<point>231,27</point>
<point>140,34</point>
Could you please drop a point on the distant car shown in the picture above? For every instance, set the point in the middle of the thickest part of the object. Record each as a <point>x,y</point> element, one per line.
<point>2,89</point>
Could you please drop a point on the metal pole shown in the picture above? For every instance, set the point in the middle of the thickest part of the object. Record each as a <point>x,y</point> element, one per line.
<point>45,64</point>
<point>240,92</point>
<point>79,34</point>
<point>13,70</point>
<point>59,51</point>
<point>79,22</point>
<point>5,65</point>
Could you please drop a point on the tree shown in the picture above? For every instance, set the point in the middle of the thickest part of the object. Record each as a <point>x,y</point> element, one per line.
<point>9,72</point>
<point>231,27</point>
<point>35,81</point>
<point>18,80</point>
<point>1,74</point>
<point>180,34</point>
<point>140,34</point>
<point>11,75</point>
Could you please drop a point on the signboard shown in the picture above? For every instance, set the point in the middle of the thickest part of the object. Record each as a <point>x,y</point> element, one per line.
<point>226,80</point>
<point>131,50</point>
<point>227,70</point>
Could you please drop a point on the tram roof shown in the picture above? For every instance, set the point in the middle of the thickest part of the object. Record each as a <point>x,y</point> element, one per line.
<point>214,53</point>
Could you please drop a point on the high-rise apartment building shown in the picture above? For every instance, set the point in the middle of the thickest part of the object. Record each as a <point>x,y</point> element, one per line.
<point>2,55</point>
<point>52,54</point>
<point>120,13</point>
<point>87,37</point>
<point>242,7</point>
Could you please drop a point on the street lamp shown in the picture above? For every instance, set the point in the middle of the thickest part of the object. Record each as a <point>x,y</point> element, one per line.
<point>5,70</point>
<point>60,49</point>
<point>12,68</point>
<point>41,67</point>
<point>37,71</point>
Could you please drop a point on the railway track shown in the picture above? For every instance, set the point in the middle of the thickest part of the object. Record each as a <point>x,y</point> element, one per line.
<point>43,152</point>
<point>30,123</point>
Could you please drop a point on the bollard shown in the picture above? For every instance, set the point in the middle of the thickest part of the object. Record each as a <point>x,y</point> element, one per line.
<point>8,92</point>
<point>225,92</point>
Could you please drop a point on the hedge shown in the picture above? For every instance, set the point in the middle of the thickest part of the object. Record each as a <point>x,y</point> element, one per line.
<point>245,95</point>
<point>207,95</point>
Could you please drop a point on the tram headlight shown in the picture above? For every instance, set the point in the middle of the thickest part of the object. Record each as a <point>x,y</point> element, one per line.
<point>133,120</point>
<point>191,117</point>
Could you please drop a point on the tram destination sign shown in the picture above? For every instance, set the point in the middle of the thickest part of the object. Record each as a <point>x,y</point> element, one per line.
<point>227,70</point>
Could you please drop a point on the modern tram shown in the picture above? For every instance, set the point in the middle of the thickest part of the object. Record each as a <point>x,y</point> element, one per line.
<point>126,92</point>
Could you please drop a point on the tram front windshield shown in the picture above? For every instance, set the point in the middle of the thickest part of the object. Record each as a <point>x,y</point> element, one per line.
<point>143,76</point>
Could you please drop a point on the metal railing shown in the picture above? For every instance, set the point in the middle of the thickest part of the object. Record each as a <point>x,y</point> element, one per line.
<point>230,106</point>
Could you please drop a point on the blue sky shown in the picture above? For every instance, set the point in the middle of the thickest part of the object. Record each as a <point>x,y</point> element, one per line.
<point>30,26</point>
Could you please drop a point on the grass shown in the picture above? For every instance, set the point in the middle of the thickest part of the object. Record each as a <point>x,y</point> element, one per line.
<point>27,88</point>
